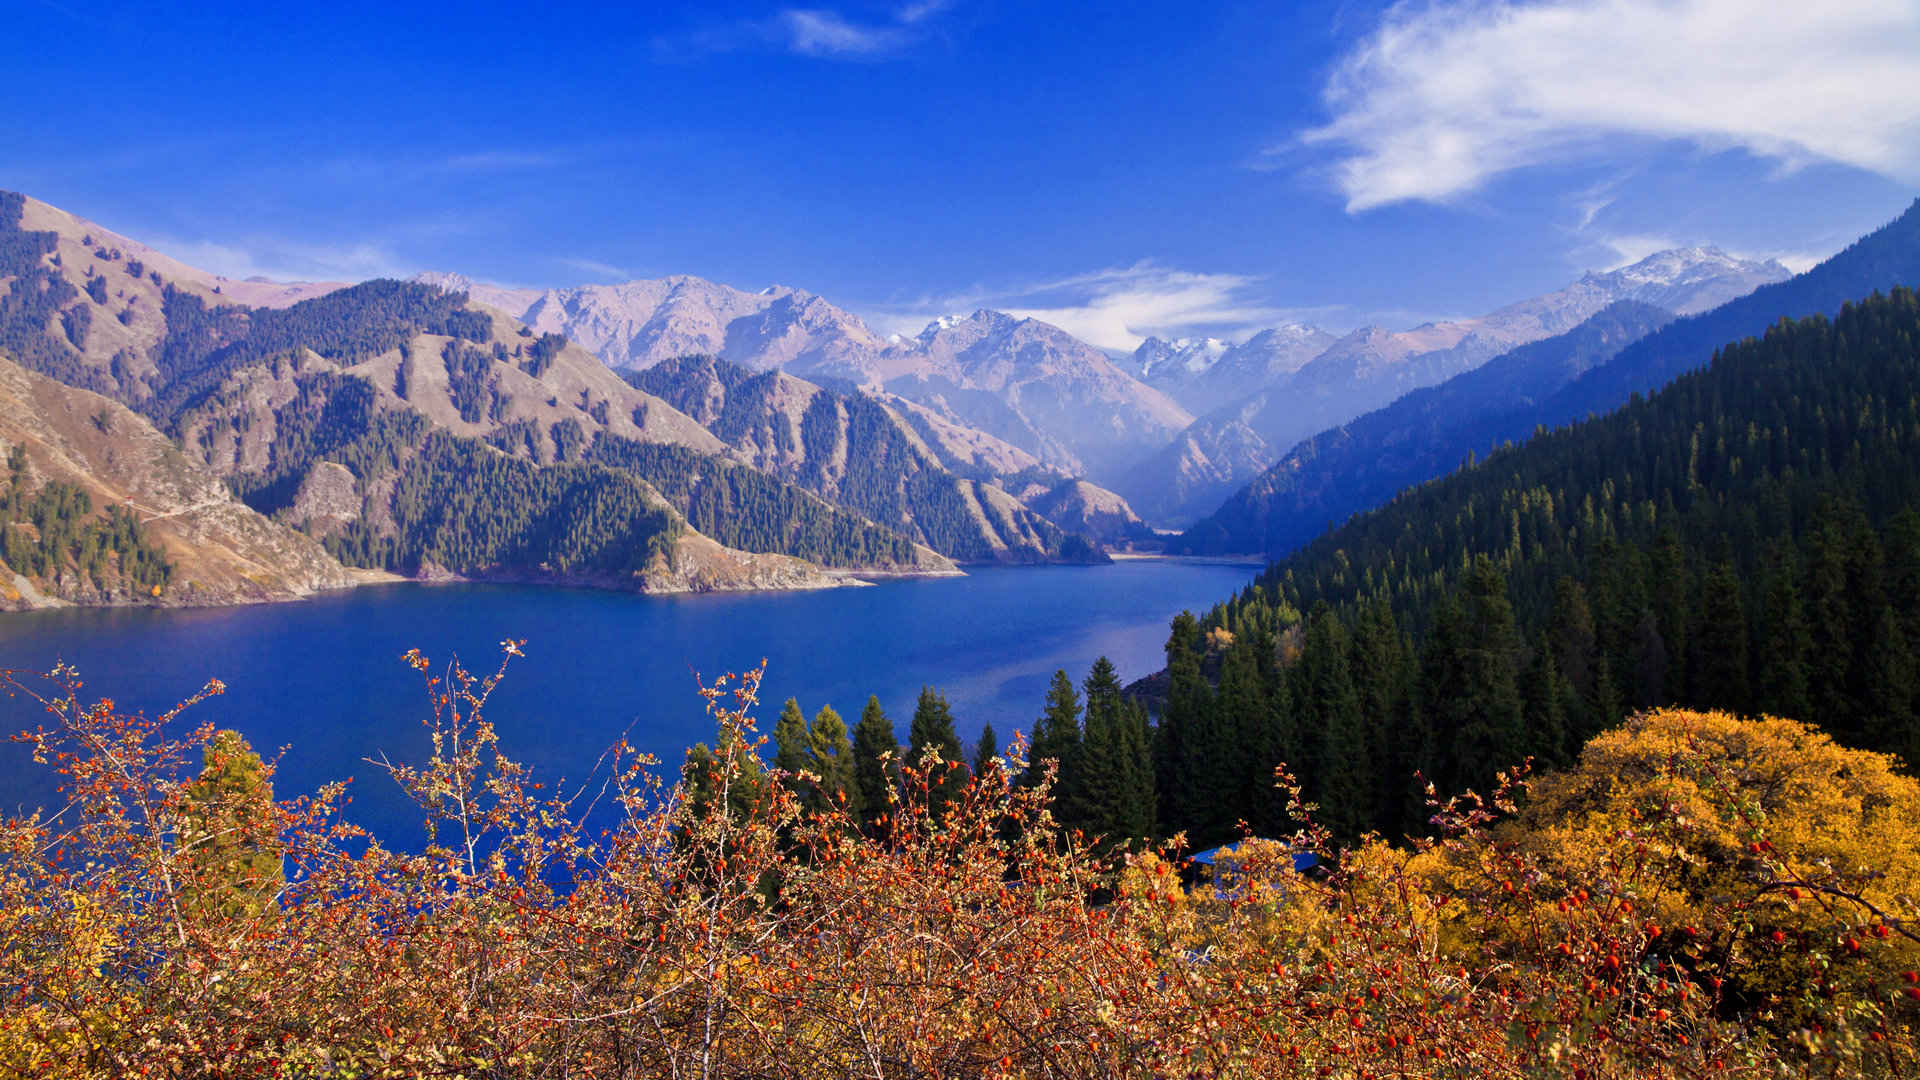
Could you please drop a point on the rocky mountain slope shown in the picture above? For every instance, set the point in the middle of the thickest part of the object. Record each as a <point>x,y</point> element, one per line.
<point>853,450</point>
<point>1019,382</point>
<point>1370,367</point>
<point>1029,384</point>
<point>211,548</point>
<point>463,434</point>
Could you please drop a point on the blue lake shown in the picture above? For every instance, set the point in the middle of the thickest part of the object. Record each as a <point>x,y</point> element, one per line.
<point>323,678</point>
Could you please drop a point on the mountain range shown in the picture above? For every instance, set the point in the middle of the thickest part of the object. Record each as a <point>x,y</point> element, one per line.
<point>1628,348</point>
<point>1026,384</point>
<point>1371,366</point>
<point>774,424</point>
<point>403,429</point>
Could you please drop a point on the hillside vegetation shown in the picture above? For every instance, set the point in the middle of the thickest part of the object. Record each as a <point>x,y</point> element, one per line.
<point>1748,538</point>
<point>1698,896</point>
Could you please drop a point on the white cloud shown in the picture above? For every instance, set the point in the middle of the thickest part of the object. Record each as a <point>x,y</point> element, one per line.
<point>1444,96</point>
<point>1114,309</point>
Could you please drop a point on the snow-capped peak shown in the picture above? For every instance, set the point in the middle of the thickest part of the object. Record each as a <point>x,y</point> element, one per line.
<point>1192,355</point>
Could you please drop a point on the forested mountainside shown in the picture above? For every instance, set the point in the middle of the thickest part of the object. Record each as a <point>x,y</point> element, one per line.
<point>1425,434</point>
<point>852,450</point>
<point>1748,538</point>
<point>1291,502</point>
<point>417,433</point>
<point>97,507</point>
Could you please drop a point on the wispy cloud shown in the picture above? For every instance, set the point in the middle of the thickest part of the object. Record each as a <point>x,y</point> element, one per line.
<point>1443,96</point>
<point>817,32</point>
<point>503,160</point>
<point>597,268</point>
<point>283,260</point>
<point>1113,309</point>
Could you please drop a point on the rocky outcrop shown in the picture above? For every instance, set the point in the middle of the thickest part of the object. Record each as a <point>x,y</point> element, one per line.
<point>329,496</point>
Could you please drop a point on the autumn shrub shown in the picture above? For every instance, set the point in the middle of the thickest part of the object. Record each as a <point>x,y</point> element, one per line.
<point>175,920</point>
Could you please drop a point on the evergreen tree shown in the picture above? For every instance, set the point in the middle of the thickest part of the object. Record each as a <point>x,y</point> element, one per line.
<point>1892,681</point>
<point>875,761</point>
<point>792,747</point>
<point>1383,673</point>
<point>1470,683</point>
<point>1783,642</point>
<point>1244,743</point>
<point>1335,771</point>
<point>1057,743</point>
<point>731,771</point>
<point>1720,663</point>
<point>1575,648</point>
<point>1672,597</point>
<point>227,833</point>
<point>830,757</point>
<point>932,729</point>
<point>985,751</point>
<point>1184,797</point>
<point>1546,696</point>
<point>1829,621</point>
<point>1901,542</point>
<point>1119,768</point>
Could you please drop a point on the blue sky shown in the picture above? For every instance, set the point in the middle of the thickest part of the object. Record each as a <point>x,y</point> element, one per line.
<point>1126,168</point>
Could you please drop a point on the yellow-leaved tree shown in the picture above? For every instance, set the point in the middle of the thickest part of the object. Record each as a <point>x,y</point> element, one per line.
<point>1770,865</point>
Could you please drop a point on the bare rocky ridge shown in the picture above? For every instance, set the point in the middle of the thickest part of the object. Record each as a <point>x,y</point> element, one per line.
<point>1078,506</point>
<point>221,550</point>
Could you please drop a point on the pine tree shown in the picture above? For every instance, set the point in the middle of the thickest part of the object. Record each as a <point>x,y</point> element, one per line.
<point>1901,542</point>
<point>1720,663</point>
<point>1890,725</point>
<point>1120,767</point>
<point>1243,743</point>
<point>1782,686</point>
<point>1546,696</point>
<point>1335,772</point>
<point>1384,681</point>
<point>1057,745</point>
<point>1829,622</point>
<point>791,746</point>
<point>1575,647</point>
<point>875,761</point>
<point>830,757</point>
<point>986,751</point>
<point>1672,596</point>
<point>932,730</point>
<point>1470,683</point>
<point>227,833</point>
<point>1181,736</point>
